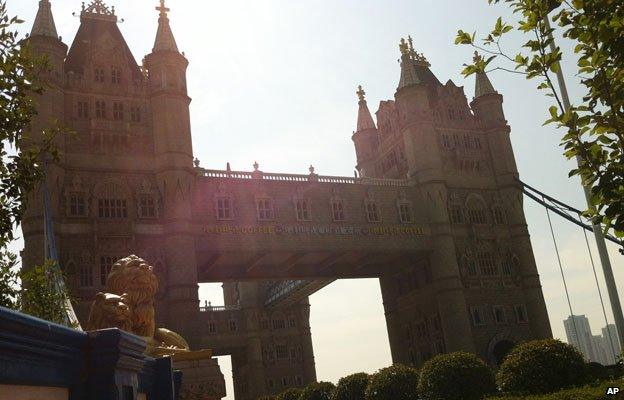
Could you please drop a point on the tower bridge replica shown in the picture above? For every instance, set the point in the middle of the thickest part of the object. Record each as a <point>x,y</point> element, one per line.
<point>435,211</point>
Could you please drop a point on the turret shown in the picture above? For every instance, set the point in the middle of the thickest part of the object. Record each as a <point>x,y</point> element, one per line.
<point>174,171</point>
<point>169,98</point>
<point>365,138</point>
<point>44,41</point>
<point>417,87</point>
<point>488,103</point>
<point>488,107</point>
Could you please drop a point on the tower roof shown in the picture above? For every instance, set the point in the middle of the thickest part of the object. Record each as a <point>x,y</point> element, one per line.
<point>99,32</point>
<point>365,119</point>
<point>44,21</point>
<point>414,66</point>
<point>164,37</point>
<point>483,84</point>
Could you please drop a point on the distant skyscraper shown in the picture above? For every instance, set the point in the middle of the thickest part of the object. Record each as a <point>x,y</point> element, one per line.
<point>611,343</point>
<point>603,349</point>
<point>579,335</point>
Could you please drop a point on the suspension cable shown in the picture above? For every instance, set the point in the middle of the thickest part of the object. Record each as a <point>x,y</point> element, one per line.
<point>565,285</point>
<point>604,311</point>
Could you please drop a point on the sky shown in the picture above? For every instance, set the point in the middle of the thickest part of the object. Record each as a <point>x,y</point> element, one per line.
<point>274,81</point>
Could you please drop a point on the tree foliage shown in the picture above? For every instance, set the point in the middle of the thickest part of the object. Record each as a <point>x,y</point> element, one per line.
<point>352,387</point>
<point>9,282</point>
<point>397,382</point>
<point>456,376</point>
<point>21,80</point>
<point>541,366</point>
<point>289,394</point>
<point>317,391</point>
<point>595,126</point>
<point>33,291</point>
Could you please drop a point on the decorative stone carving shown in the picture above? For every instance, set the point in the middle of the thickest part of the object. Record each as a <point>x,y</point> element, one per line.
<point>134,284</point>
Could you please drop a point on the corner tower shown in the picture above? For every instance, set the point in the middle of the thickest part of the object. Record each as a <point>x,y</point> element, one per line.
<point>166,68</point>
<point>478,289</point>
<point>44,41</point>
<point>365,138</point>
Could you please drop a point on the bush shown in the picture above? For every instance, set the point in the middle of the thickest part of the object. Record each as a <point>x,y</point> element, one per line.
<point>594,392</point>
<point>456,376</point>
<point>289,394</point>
<point>352,387</point>
<point>397,382</point>
<point>541,366</point>
<point>317,391</point>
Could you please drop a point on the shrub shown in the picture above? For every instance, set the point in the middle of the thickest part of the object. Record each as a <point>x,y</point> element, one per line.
<point>397,382</point>
<point>352,387</point>
<point>456,376</point>
<point>289,394</point>
<point>541,366</point>
<point>317,391</point>
<point>594,392</point>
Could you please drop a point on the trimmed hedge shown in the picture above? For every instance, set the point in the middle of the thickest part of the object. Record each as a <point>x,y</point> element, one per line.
<point>397,382</point>
<point>352,387</point>
<point>594,392</point>
<point>456,376</point>
<point>317,391</point>
<point>541,366</point>
<point>289,394</point>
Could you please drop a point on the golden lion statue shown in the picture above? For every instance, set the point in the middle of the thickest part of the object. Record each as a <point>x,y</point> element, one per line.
<point>129,305</point>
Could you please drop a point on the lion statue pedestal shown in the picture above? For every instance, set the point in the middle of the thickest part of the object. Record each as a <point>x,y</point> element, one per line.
<point>128,304</point>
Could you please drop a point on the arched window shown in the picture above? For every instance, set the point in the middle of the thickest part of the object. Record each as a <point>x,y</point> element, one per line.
<point>487,264</point>
<point>98,75</point>
<point>500,217</point>
<point>338,209</point>
<point>69,269</point>
<point>469,264</point>
<point>112,203</point>
<point>405,212</point>
<point>264,208</point>
<point>302,207</point>
<point>147,206</point>
<point>86,276</point>
<point>372,211</point>
<point>106,265</point>
<point>115,75</point>
<point>476,210</point>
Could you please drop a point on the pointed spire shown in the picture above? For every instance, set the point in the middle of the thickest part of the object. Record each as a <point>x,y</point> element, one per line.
<point>164,37</point>
<point>483,84</point>
<point>44,22</point>
<point>414,66</point>
<point>365,120</point>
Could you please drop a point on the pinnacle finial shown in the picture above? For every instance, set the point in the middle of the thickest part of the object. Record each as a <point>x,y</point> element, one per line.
<point>163,9</point>
<point>411,43</point>
<point>404,47</point>
<point>361,93</point>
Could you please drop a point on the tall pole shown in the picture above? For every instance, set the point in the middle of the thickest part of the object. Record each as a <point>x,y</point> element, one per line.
<point>614,297</point>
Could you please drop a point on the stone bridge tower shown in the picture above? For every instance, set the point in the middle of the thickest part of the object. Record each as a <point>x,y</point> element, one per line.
<point>435,213</point>
<point>460,158</point>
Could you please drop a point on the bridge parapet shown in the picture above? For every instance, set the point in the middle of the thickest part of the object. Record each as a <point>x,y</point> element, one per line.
<point>312,177</point>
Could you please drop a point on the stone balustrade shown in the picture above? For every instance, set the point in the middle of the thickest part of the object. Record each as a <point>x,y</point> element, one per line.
<point>312,177</point>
